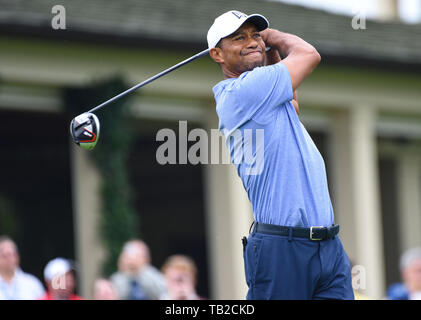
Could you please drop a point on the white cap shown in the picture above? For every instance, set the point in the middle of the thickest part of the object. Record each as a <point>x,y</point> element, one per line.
<point>229,22</point>
<point>56,267</point>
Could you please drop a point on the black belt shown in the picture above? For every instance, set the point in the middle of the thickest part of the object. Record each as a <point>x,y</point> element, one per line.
<point>312,233</point>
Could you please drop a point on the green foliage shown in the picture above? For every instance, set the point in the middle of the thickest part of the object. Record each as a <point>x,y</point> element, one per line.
<point>118,219</point>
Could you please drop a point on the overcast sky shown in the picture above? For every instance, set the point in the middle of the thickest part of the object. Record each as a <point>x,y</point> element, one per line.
<point>409,10</point>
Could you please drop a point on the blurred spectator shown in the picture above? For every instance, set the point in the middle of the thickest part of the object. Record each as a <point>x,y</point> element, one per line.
<point>397,291</point>
<point>14,283</point>
<point>181,274</point>
<point>104,290</point>
<point>136,278</point>
<point>60,280</point>
<point>410,267</point>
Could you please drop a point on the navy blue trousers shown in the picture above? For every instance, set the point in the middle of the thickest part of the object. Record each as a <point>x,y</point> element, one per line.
<point>284,268</point>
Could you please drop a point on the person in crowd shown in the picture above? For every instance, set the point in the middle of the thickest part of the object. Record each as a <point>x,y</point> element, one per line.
<point>104,290</point>
<point>137,278</point>
<point>60,280</point>
<point>410,267</point>
<point>16,284</point>
<point>181,274</point>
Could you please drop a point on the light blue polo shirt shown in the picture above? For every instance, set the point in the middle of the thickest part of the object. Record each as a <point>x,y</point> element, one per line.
<point>289,187</point>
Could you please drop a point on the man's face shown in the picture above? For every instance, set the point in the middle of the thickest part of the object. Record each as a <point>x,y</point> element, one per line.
<point>242,51</point>
<point>133,258</point>
<point>181,284</point>
<point>412,276</point>
<point>9,258</point>
<point>62,286</point>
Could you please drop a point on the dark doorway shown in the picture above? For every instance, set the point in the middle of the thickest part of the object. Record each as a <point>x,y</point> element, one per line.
<point>35,187</point>
<point>390,218</point>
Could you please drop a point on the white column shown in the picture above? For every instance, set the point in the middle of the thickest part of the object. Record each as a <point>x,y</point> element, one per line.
<point>86,211</point>
<point>409,194</point>
<point>228,216</point>
<point>342,175</point>
<point>357,193</point>
<point>241,215</point>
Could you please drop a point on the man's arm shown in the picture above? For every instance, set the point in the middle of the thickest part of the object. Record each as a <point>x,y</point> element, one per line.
<point>272,57</point>
<point>294,102</point>
<point>300,57</point>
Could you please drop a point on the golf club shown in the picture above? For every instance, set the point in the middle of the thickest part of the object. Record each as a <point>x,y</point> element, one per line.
<point>84,128</point>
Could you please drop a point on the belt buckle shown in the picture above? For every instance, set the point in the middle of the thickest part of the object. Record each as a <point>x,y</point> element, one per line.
<point>311,233</point>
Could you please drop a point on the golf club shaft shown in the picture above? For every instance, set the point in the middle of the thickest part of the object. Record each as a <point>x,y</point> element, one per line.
<point>139,85</point>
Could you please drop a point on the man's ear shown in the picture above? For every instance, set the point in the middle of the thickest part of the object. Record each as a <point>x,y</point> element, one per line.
<point>216,55</point>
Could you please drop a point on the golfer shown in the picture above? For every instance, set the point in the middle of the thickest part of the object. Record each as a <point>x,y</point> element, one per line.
<point>293,251</point>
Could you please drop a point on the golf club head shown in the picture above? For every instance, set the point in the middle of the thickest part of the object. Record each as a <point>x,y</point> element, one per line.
<point>84,130</point>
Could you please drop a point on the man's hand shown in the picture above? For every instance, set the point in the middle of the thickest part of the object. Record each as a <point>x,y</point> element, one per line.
<point>272,55</point>
<point>300,57</point>
<point>266,34</point>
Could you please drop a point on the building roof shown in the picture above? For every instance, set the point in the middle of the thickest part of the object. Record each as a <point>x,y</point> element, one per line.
<point>187,22</point>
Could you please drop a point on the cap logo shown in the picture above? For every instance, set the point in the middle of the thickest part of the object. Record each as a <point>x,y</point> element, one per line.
<point>238,14</point>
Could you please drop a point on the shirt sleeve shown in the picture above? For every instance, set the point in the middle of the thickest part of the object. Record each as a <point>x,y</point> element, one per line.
<point>264,89</point>
<point>39,289</point>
